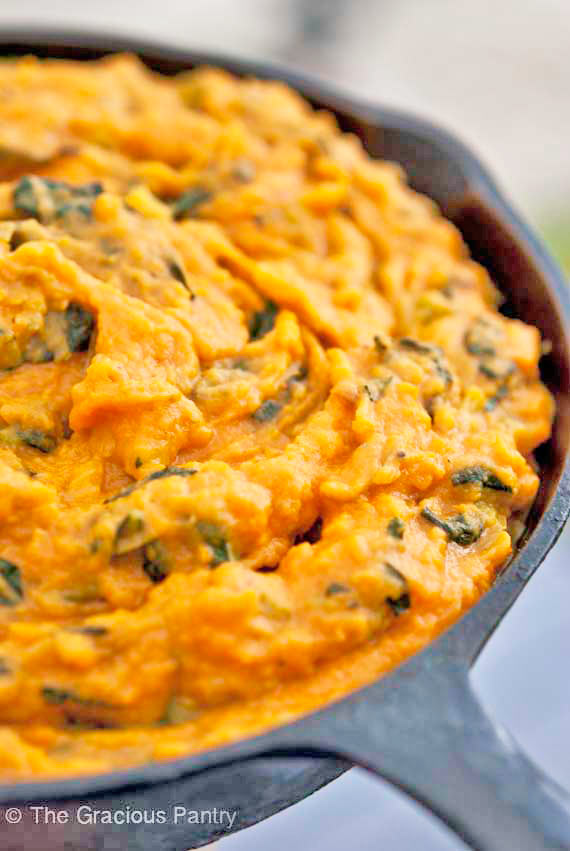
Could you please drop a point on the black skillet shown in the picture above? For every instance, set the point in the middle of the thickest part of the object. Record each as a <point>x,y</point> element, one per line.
<point>422,727</point>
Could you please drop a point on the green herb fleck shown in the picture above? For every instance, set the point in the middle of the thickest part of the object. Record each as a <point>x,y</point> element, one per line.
<point>416,346</point>
<point>93,631</point>
<point>380,345</point>
<point>396,527</point>
<point>177,272</point>
<point>401,603</point>
<point>481,476</point>
<point>376,387</point>
<point>155,561</point>
<point>459,529</point>
<point>263,321</point>
<point>496,368</point>
<point>10,574</point>
<point>267,411</point>
<point>336,588</point>
<point>443,371</point>
<point>56,696</point>
<point>79,327</point>
<point>216,541</point>
<point>493,401</point>
<point>477,340</point>
<point>138,462</point>
<point>170,471</point>
<point>46,199</point>
<point>158,474</point>
<point>434,352</point>
<point>187,204</point>
<point>37,439</point>
<point>300,375</point>
<point>311,535</point>
<point>130,525</point>
<point>88,593</point>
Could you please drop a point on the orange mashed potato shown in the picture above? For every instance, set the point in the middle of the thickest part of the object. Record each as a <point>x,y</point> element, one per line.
<point>263,431</point>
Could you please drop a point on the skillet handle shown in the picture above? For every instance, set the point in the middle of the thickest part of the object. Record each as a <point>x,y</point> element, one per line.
<point>429,735</point>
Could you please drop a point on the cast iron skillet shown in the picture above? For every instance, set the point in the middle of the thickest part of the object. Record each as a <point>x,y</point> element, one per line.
<point>422,727</point>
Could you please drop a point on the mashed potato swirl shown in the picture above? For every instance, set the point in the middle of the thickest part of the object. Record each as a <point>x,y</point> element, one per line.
<point>263,431</point>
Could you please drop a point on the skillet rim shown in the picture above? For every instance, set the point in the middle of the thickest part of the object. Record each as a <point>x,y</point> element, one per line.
<point>25,39</point>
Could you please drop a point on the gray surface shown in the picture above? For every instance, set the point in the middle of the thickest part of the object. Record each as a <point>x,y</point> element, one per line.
<point>497,73</point>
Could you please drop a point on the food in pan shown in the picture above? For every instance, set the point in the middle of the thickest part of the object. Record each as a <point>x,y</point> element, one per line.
<point>263,430</point>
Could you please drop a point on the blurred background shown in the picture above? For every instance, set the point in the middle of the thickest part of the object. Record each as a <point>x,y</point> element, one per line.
<point>498,75</point>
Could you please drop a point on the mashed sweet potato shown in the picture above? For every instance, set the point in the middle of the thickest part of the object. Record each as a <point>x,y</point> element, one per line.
<point>263,431</point>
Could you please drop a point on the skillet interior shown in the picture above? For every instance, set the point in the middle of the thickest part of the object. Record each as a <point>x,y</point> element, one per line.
<point>443,169</point>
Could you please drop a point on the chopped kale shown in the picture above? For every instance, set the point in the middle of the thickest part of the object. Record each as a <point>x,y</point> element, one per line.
<point>88,593</point>
<point>301,375</point>
<point>434,352</point>
<point>10,574</point>
<point>416,346</point>
<point>75,322</point>
<point>443,371</point>
<point>79,325</point>
<point>37,439</point>
<point>267,411</point>
<point>177,272</point>
<point>130,525</point>
<point>493,401</point>
<point>496,368</point>
<point>216,541</point>
<point>477,340</point>
<point>313,534</point>
<point>401,603</point>
<point>155,561</point>
<point>480,476</point>
<point>336,588</point>
<point>94,631</point>
<point>395,574</point>
<point>46,199</point>
<point>56,696</point>
<point>263,321</point>
<point>375,388</point>
<point>124,492</point>
<point>66,429</point>
<point>396,527</point>
<point>187,204</point>
<point>158,474</point>
<point>18,238</point>
<point>459,529</point>
<point>380,345</point>
<point>170,471</point>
